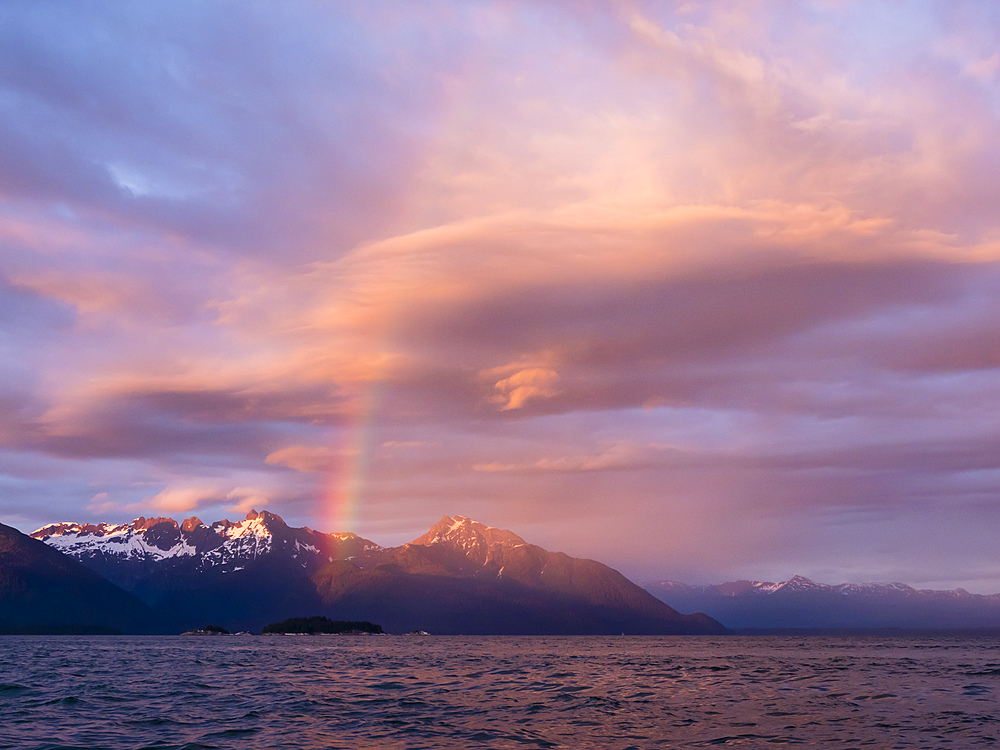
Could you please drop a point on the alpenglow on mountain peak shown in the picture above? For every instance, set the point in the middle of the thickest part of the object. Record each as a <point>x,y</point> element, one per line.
<point>224,545</point>
<point>468,535</point>
<point>460,577</point>
<point>162,537</point>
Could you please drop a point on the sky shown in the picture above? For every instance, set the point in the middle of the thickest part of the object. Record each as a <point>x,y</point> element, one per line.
<point>702,290</point>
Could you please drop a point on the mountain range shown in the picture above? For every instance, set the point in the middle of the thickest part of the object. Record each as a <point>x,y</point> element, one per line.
<point>45,591</point>
<point>800,603</point>
<point>155,575</point>
<point>459,577</point>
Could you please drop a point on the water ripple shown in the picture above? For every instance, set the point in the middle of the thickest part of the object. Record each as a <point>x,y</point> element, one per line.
<point>451,692</point>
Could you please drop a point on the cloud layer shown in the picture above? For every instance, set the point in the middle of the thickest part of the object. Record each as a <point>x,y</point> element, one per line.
<point>701,290</point>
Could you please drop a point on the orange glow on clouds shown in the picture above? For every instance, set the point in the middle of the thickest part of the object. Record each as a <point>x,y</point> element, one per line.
<point>702,290</point>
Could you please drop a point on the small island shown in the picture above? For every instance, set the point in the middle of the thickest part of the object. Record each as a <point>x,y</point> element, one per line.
<point>322,625</point>
<point>208,630</point>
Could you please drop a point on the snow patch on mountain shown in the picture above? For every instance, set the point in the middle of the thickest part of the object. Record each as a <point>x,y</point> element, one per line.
<point>129,541</point>
<point>159,539</point>
<point>800,584</point>
<point>148,544</point>
<point>467,535</point>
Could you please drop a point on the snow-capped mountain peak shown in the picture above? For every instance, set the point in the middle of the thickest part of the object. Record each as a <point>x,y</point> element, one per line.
<point>800,584</point>
<point>130,551</point>
<point>478,543</point>
<point>795,583</point>
<point>144,538</point>
<point>803,603</point>
<point>262,525</point>
<point>467,535</point>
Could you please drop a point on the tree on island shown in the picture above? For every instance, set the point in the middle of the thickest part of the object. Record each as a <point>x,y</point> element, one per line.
<point>208,630</point>
<point>320,624</point>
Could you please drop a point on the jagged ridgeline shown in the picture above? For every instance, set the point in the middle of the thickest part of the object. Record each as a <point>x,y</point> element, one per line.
<point>461,577</point>
<point>802,603</point>
<point>320,624</point>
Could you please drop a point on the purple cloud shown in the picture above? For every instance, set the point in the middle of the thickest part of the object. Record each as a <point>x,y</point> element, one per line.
<point>697,290</point>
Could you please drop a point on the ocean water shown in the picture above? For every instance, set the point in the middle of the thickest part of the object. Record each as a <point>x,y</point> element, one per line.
<point>498,692</point>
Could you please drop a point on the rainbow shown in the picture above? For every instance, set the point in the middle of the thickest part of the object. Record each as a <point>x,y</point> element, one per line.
<point>345,485</point>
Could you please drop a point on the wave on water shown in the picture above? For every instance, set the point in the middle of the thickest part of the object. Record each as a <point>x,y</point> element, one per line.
<point>65,693</point>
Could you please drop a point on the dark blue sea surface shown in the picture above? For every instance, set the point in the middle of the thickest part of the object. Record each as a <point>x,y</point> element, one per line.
<point>497,692</point>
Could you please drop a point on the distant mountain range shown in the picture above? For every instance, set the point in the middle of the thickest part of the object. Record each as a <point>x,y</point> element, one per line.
<point>459,577</point>
<point>802,603</point>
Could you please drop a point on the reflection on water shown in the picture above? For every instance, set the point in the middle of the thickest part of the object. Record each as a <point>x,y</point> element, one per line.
<point>497,692</point>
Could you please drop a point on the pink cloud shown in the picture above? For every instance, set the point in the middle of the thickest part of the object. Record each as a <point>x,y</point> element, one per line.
<point>307,459</point>
<point>181,499</point>
<point>504,251</point>
<point>617,456</point>
<point>516,389</point>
